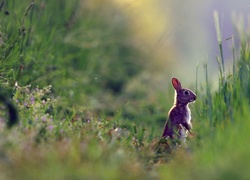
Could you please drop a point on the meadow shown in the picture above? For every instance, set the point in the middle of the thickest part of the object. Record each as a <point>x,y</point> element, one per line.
<point>85,111</point>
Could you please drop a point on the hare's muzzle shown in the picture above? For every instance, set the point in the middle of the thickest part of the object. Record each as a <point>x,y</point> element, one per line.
<point>193,98</point>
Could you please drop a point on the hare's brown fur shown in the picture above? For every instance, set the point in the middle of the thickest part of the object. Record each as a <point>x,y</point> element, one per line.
<point>179,116</point>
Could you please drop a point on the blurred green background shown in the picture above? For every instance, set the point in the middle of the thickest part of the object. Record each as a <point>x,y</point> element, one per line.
<point>91,82</point>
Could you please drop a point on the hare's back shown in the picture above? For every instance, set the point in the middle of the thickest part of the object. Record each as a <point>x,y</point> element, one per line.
<point>179,115</point>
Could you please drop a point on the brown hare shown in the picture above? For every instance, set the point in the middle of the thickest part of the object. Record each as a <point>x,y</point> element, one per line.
<point>178,124</point>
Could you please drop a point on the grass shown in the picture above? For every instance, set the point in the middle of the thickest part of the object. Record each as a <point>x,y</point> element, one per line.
<point>77,121</point>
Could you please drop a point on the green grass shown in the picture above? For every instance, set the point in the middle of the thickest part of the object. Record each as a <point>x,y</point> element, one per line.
<point>79,120</point>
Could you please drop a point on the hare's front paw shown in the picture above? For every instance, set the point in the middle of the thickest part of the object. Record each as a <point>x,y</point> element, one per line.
<point>192,134</point>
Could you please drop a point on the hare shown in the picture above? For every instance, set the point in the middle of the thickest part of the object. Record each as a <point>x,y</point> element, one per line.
<point>178,123</point>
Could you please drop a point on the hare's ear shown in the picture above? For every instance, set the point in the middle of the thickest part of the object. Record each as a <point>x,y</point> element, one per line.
<point>176,84</point>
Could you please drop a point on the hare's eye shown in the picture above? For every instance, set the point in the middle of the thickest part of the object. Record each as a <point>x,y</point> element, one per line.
<point>186,92</point>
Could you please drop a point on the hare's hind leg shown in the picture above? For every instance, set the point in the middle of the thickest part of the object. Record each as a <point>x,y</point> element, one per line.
<point>182,134</point>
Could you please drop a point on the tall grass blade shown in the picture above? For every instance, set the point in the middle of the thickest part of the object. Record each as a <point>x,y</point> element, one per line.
<point>219,40</point>
<point>196,82</point>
